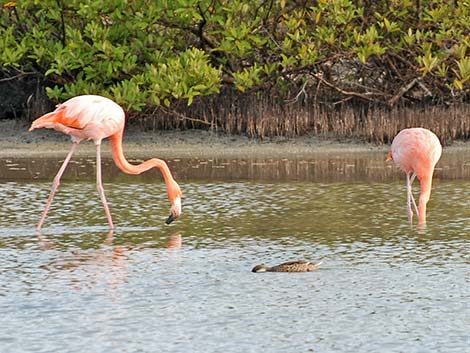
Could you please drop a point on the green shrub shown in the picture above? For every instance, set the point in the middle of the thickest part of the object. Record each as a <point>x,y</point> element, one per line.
<point>144,53</point>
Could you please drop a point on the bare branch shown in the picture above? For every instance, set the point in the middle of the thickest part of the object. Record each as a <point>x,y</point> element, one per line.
<point>21,74</point>
<point>184,117</point>
<point>302,91</point>
<point>365,96</point>
<point>392,101</point>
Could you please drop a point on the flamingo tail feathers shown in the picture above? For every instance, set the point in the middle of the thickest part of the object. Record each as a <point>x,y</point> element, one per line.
<point>48,120</point>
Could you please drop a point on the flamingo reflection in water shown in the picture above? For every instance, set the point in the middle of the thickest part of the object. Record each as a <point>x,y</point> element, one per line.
<point>108,264</point>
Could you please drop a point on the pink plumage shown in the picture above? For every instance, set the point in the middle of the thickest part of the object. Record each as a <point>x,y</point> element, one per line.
<point>84,118</point>
<point>416,151</point>
<point>94,118</point>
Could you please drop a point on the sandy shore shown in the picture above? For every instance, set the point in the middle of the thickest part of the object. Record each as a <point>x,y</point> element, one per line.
<point>16,141</point>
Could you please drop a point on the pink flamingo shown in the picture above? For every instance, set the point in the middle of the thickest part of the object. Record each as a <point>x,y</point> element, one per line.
<point>94,118</point>
<point>416,151</point>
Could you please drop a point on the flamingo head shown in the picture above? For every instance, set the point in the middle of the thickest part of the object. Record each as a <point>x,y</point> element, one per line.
<point>389,156</point>
<point>174,195</point>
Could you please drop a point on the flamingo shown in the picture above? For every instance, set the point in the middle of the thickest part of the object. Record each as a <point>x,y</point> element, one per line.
<point>416,151</point>
<point>91,117</point>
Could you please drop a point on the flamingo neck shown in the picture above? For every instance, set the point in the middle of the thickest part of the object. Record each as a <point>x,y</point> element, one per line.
<point>424,196</point>
<point>122,163</point>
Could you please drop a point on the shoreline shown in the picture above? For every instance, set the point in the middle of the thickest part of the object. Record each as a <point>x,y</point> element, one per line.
<point>17,142</point>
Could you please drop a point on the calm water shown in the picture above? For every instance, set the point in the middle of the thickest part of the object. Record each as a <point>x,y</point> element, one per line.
<point>383,287</point>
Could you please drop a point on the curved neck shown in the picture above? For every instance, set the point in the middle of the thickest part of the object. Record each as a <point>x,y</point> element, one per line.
<point>126,167</point>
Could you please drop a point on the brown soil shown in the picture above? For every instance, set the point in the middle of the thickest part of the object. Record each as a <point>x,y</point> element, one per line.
<point>16,141</point>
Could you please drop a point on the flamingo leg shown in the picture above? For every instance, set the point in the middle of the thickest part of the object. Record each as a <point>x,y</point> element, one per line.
<point>409,197</point>
<point>413,176</point>
<point>55,185</point>
<point>99,186</point>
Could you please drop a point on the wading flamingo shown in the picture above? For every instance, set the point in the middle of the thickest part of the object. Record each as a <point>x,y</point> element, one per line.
<point>94,118</point>
<point>416,151</point>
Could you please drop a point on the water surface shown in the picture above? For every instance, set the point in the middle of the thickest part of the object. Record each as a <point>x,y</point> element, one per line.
<point>383,286</point>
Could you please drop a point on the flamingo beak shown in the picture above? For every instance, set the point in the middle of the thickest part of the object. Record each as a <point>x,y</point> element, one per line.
<point>170,219</point>
<point>389,157</point>
<point>175,210</point>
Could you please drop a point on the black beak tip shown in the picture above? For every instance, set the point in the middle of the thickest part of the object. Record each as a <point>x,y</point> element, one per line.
<point>170,219</point>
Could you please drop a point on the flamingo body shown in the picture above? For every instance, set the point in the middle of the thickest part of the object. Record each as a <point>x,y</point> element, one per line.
<point>91,117</point>
<point>84,118</point>
<point>416,151</point>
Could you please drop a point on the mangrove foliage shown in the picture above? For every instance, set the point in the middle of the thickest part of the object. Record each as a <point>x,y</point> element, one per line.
<point>261,67</point>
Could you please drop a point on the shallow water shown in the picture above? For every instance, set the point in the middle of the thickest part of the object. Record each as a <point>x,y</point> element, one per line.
<point>383,285</point>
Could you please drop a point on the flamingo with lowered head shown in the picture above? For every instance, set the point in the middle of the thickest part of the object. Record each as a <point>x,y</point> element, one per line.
<point>416,151</point>
<point>94,118</point>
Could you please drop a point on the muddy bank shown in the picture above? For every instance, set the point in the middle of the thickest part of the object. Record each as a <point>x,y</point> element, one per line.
<point>16,141</point>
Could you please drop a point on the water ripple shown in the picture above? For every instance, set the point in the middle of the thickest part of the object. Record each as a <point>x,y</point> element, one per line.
<point>383,285</point>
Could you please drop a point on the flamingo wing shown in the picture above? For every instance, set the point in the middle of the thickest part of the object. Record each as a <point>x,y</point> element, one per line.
<point>84,117</point>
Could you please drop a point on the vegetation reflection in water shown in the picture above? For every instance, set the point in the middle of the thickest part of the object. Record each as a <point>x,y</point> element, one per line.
<point>189,287</point>
<point>331,167</point>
